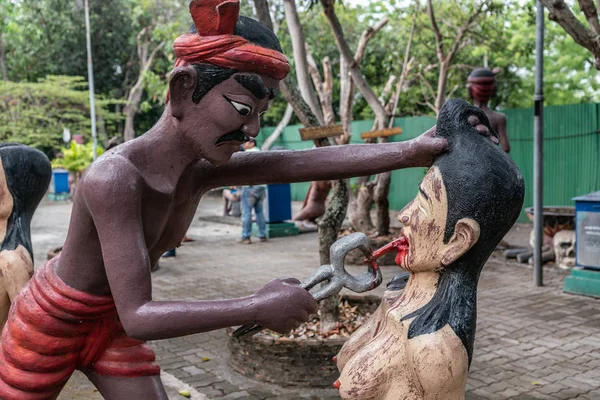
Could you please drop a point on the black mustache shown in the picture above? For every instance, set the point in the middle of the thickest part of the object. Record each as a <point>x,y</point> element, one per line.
<point>237,136</point>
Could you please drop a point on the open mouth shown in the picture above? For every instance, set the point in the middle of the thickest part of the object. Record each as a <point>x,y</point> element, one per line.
<point>235,136</point>
<point>400,245</point>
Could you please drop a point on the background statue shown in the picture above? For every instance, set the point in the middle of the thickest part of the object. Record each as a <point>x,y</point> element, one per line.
<point>482,87</point>
<point>25,174</point>
<point>91,308</point>
<point>419,342</point>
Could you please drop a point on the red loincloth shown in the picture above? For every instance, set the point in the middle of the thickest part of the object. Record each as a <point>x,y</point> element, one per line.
<point>53,330</point>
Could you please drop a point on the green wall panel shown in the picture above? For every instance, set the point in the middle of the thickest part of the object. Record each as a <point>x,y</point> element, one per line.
<point>571,152</point>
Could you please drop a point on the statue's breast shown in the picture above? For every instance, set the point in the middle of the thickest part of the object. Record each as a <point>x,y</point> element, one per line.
<point>391,366</point>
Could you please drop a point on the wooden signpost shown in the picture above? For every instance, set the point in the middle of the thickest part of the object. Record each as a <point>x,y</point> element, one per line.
<point>321,132</point>
<point>382,133</point>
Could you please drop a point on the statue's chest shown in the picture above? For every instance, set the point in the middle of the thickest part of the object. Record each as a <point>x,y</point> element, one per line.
<point>391,366</point>
<point>167,217</point>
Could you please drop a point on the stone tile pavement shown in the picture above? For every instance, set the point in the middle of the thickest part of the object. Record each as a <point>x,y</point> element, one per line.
<point>532,343</point>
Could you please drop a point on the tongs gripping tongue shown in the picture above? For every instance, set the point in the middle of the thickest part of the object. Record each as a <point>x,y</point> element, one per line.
<point>399,245</point>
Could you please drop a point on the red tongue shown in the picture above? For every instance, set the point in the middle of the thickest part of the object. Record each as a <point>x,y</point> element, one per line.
<point>400,245</point>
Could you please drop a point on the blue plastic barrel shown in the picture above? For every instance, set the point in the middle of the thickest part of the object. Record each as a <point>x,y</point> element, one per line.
<point>60,178</point>
<point>279,203</point>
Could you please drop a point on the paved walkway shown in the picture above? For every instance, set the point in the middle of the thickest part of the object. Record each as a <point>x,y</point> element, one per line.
<point>532,343</point>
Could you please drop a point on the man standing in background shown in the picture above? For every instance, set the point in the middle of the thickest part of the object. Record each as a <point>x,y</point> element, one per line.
<point>252,198</point>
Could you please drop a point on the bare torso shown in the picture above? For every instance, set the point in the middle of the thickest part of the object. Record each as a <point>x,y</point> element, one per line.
<point>380,362</point>
<point>166,212</point>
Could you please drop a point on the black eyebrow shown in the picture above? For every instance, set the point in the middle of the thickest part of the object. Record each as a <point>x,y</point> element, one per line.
<point>254,85</point>
<point>423,193</point>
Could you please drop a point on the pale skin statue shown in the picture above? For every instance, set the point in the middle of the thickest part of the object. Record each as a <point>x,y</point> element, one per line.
<point>379,361</point>
<point>16,266</point>
<point>138,200</point>
<point>24,177</point>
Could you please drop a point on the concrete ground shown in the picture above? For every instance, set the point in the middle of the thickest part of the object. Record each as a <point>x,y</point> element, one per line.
<point>532,343</point>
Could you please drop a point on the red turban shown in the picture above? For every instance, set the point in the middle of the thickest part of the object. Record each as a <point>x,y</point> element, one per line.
<point>216,44</point>
<point>482,83</point>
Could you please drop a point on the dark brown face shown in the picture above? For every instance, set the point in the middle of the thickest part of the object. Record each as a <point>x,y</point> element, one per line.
<point>227,116</point>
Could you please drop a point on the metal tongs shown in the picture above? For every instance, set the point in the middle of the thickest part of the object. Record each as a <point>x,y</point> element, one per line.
<point>336,274</point>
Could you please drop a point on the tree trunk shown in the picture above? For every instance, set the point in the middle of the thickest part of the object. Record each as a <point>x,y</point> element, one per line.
<point>300,58</point>
<point>133,102</point>
<point>353,67</point>
<point>336,211</point>
<point>3,61</point>
<point>329,227</point>
<point>287,116</point>
<point>360,208</point>
<point>442,86</point>
<point>262,13</point>
<point>134,99</point>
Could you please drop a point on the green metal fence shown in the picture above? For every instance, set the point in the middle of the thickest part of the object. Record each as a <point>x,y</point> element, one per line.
<point>571,152</point>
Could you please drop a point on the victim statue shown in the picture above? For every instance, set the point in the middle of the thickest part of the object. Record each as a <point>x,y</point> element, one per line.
<point>25,174</point>
<point>419,343</point>
<point>91,308</point>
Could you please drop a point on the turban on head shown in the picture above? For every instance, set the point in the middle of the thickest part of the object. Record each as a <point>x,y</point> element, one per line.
<point>482,83</point>
<point>215,42</point>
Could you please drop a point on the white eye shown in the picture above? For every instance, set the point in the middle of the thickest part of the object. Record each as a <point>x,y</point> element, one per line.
<point>241,108</point>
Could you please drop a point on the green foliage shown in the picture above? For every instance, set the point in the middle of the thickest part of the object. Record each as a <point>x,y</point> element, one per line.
<point>36,113</point>
<point>47,37</point>
<point>77,157</point>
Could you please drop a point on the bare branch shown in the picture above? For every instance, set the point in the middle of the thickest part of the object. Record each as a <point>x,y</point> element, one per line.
<point>287,116</point>
<point>262,13</point>
<point>591,14</point>
<point>428,85</point>
<point>406,66</point>
<point>297,36</point>
<point>366,36</point>
<point>347,84</point>
<point>454,89</point>
<point>387,89</point>
<point>314,71</point>
<point>354,68</point>
<point>436,31</point>
<point>560,12</point>
<point>456,46</point>
<point>327,101</point>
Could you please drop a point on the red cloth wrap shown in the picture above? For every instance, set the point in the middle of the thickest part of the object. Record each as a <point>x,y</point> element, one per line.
<point>482,88</point>
<point>230,51</point>
<point>216,44</point>
<point>54,329</point>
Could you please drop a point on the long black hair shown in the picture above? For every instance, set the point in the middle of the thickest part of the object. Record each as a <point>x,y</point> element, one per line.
<point>482,183</point>
<point>28,173</point>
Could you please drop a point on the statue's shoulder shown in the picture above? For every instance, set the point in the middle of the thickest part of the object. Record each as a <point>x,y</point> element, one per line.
<point>111,174</point>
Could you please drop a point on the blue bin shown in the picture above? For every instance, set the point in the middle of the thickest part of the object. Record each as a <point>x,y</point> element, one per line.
<point>279,203</point>
<point>60,181</point>
<point>587,228</point>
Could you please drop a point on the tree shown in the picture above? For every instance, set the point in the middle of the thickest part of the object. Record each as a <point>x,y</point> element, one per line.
<point>36,113</point>
<point>48,38</point>
<point>586,36</point>
<point>156,22</point>
<point>463,25</point>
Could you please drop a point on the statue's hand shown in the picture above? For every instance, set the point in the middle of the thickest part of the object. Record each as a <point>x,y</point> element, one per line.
<point>483,129</point>
<point>282,305</point>
<point>428,146</point>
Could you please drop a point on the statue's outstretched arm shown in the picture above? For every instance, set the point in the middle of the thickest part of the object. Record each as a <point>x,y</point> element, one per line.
<point>335,162</point>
